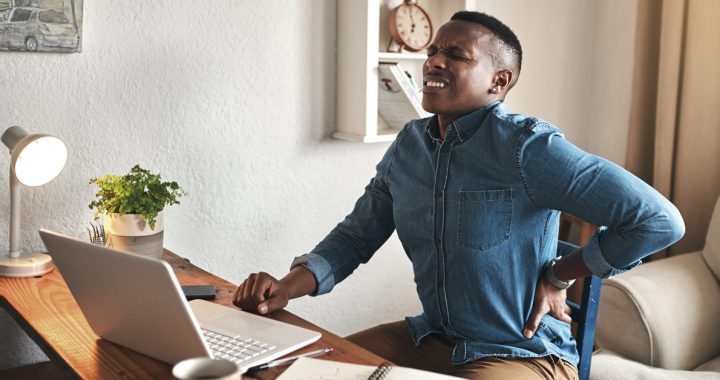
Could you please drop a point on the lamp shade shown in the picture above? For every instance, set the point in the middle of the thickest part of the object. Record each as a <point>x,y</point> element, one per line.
<point>40,160</point>
<point>35,159</point>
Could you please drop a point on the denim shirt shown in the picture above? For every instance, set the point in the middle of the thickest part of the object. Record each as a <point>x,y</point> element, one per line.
<point>477,214</point>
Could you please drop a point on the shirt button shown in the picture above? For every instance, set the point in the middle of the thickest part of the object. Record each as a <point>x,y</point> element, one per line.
<point>438,241</point>
<point>439,194</point>
<point>440,283</point>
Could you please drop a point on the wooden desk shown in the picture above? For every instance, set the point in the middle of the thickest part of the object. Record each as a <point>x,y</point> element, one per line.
<point>49,311</point>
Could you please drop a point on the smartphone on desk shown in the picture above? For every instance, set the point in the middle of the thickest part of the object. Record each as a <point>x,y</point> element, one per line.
<point>203,292</point>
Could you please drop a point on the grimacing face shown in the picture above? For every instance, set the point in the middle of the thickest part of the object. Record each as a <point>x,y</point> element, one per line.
<point>458,73</point>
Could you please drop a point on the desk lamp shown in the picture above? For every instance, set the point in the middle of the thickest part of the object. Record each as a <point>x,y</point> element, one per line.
<point>35,160</point>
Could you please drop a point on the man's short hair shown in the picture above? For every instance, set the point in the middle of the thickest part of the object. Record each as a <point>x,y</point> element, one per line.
<point>509,41</point>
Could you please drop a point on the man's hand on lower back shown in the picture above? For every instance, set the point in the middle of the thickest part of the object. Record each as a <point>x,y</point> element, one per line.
<point>548,299</point>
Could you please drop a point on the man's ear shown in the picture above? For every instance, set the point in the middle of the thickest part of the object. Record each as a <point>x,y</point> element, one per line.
<point>501,82</point>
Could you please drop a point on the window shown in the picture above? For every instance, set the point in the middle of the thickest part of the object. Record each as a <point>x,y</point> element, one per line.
<point>21,15</point>
<point>53,17</point>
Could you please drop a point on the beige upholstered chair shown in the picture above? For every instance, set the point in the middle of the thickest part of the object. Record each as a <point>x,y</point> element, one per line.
<point>662,319</point>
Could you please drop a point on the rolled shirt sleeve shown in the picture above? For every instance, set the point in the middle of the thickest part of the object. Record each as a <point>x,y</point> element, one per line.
<point>321,270</point>
<point>354,240</point>
<point>636,220</point>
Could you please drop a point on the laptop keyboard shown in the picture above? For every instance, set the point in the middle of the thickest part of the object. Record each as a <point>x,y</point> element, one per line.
<point>236,349</point>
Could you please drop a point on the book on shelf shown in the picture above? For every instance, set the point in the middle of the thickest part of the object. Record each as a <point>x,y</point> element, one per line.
<point>313,369</point>
<point>399,97</point>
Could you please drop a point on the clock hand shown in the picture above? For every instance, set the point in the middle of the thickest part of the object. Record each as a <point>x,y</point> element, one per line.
<point>412,22</point>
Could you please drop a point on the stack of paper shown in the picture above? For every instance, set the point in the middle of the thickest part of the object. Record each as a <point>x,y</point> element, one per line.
<point>399,98</point>
<point>313,369</point>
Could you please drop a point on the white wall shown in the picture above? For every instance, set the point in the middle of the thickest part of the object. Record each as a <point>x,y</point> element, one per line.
<point>577,67</point>
<point>235,101</point>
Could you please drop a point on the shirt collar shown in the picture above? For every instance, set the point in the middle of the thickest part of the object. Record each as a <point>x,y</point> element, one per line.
<point>462,127</point>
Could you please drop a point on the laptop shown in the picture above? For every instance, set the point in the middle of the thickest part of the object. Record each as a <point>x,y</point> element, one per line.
<point>136,302</point>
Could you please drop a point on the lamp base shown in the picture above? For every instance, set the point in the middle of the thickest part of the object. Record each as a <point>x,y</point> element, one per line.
<point>27,265</point>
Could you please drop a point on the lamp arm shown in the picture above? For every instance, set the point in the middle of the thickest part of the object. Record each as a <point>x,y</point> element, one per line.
<point>14,215</point>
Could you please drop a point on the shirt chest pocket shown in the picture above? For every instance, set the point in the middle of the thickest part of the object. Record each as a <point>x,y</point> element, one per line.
<point>484,218</point>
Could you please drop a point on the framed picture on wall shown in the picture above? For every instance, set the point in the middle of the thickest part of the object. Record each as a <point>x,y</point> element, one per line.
<point>41,25</point>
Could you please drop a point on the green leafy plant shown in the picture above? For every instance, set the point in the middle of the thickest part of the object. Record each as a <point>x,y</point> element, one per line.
<point>138,192</point>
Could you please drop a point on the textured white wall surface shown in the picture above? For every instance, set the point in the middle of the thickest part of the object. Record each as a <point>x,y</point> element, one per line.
<point>577,67</point>
<point>234,100</point>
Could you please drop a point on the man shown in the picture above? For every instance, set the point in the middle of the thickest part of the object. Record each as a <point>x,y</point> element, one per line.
<point>475,195</point>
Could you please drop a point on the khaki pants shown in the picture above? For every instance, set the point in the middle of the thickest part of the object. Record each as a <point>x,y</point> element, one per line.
<point>392,341</point>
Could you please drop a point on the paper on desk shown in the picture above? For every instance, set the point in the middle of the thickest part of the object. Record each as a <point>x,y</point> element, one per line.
<point>319,369</point>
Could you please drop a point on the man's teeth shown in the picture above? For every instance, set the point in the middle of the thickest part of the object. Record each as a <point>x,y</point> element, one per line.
<point>435,84</point>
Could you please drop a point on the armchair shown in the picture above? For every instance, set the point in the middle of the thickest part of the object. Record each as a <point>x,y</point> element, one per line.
<point>662,319</point>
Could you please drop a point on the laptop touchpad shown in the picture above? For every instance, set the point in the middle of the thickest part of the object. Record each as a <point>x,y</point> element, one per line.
<point>233,325</point>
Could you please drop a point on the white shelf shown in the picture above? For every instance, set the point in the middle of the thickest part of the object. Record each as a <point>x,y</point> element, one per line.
<point>361,35</point>
<point>401,56</point>
<point>382,135</point>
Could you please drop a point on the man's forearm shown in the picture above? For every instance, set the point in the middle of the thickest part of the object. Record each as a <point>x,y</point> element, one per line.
<point>571,266</point>
<point>299,282</point>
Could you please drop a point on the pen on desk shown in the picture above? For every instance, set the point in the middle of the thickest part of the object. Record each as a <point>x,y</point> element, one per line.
<point>289,360</point>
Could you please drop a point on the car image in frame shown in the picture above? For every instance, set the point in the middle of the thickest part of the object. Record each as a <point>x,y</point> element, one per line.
<point>37,29</point>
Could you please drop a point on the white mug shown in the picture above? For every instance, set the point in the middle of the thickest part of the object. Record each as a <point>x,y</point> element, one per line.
<point>206,368</point>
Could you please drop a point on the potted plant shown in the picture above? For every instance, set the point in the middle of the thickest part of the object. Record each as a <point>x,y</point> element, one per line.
<point>132,206</point>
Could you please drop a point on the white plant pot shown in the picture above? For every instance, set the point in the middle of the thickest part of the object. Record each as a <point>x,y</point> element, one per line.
<point>131,232</point>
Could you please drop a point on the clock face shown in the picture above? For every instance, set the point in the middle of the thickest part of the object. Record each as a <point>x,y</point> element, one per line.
<point>412,27</point>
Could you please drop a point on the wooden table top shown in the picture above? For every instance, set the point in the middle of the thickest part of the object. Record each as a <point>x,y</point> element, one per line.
<point>48,308</point>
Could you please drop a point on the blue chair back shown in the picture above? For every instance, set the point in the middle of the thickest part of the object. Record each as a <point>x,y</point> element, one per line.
<point>584,315</point>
